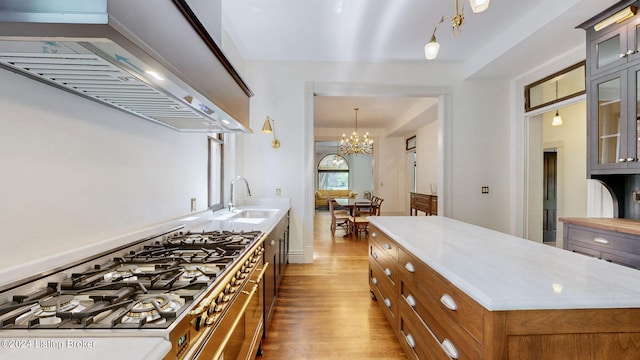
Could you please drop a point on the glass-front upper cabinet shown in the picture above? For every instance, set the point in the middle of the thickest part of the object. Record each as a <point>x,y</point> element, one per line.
<point>615,105</point>
<point>617,46</point>
<point>606,109</point>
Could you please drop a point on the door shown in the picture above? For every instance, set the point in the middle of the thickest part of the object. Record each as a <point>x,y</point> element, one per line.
<point>550,203</point>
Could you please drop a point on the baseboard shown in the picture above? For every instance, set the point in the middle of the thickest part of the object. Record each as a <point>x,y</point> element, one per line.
<point>296,257</point>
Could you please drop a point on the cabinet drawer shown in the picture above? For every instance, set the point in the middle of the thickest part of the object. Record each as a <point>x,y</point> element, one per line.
<point>630,260</point>
<point>379,239</point>
<point>386,296</point>
<point>603,239</point>
<point>578,248</point>
<point>455,304</point>
<point>387,264</point>
<point>427,308</point>
<point>416,339</point>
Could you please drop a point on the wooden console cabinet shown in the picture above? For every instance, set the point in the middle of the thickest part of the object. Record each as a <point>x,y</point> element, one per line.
<point>434,319</point>
<point>423,202</point>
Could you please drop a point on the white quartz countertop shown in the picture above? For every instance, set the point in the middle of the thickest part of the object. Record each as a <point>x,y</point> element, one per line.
<point>505,272</point>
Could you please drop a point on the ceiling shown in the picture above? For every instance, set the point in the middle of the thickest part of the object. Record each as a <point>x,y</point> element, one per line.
<point>507,40</point>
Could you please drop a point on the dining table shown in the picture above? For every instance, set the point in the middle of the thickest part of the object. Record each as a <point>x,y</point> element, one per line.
<point>351,204</point>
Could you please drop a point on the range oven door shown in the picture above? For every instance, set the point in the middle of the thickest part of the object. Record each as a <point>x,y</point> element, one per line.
<point>239,333</point>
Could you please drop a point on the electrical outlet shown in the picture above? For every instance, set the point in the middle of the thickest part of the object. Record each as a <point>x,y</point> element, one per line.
<point>485,189</point>
<point>636,196</point>
<point>193,204</point>
<point>278,191</point>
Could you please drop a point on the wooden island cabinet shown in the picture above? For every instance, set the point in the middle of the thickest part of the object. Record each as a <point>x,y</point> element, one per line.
<point>452,290</point>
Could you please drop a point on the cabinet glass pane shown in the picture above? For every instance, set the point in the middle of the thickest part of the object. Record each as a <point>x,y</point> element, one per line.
<point>609,121</point>
<point>636,47</point>
<point>608,51</point>
<point>637,139</point>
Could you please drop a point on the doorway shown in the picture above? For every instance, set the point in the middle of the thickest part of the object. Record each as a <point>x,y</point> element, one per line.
<point>549,196</point>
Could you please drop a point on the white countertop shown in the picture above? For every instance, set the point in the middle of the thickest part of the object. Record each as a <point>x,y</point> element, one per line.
<point>82,348</point>
<point>504,272</point>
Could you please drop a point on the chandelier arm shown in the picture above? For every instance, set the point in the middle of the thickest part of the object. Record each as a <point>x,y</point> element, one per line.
<point>433,35</point>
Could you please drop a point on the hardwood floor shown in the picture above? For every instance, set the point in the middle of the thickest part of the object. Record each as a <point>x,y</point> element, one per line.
<point>324,309</point>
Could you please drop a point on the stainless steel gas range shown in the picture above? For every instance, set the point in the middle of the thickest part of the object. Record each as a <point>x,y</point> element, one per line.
<point>195,293</point>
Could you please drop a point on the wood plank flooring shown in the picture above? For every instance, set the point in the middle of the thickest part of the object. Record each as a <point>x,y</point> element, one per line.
<point>324,310</point>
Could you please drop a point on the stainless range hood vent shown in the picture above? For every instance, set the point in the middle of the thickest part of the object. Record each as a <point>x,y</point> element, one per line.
<point>117,68</point>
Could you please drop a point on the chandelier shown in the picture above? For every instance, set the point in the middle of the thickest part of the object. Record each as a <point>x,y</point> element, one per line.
<point>477,6</point>
<point>353,145</point>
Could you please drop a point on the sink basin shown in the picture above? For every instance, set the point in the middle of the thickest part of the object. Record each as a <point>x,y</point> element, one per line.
<point>254,214</point>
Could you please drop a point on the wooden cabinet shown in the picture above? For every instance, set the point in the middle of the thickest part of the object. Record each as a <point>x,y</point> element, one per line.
<point>434,319</point>
<point>383,274</point>
<point>423,202</point>
<point>612,246</point>
<point>452,318</point>
<point>276,253</point>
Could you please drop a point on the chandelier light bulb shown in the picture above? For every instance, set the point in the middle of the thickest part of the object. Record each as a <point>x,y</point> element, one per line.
<point>431,49</point>
<point>478,6</point>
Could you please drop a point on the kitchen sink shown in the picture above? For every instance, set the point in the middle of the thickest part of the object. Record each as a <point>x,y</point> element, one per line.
<point>254,214</point>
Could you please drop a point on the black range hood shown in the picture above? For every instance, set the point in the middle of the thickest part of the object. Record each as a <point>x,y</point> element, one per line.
<point>150,58</point>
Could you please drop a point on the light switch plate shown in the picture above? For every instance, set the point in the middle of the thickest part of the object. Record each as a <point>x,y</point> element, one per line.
<point>485,189</point>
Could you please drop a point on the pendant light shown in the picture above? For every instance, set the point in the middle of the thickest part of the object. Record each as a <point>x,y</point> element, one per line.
<point>557,119</point>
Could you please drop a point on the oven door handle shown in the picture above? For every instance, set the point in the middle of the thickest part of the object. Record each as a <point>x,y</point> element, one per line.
<point>262,271</point>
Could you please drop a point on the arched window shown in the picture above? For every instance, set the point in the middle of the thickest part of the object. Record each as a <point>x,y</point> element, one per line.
<point>333,173</point>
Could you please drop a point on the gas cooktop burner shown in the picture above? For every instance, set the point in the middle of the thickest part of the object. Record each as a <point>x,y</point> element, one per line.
<point>61,302</point>
<point>150,309</point>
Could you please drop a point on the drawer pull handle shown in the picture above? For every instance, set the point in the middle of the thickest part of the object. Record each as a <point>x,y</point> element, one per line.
<point>411,301</point>
<point>387,302</point>
<point>410,268</point>
<point>375,255</point>
<point>387,271</point>
<point>600,240</point>
<point>451,350</point>
<point>448,301</point>
<point>374,280</point>
<point>373,234</point>
<point>387,246</point>
<point>410,341</point>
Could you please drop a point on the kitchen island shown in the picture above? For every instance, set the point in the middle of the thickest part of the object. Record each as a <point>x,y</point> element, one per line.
<point>455,290</point>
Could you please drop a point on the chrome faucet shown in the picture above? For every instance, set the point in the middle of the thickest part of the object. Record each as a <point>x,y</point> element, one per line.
<point>232,204</point>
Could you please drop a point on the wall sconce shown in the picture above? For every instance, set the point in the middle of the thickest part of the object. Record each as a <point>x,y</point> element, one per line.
<point>267,128</point>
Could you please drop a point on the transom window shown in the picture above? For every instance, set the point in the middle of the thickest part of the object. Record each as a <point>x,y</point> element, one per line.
<point>333,173</point>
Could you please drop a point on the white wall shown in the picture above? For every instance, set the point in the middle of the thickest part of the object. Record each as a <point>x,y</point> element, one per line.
<point>75,172</point>
<point>479,149</point>
<point>427,157</point>
<point>476,124</point>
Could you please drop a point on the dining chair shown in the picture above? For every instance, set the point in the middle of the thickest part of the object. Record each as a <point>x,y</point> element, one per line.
<point>358,225</point>
<point>339,218</point>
